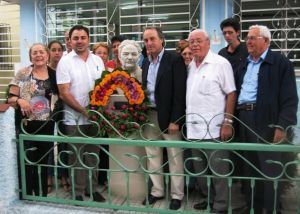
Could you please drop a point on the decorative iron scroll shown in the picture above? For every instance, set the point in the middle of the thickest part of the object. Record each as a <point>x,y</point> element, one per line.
<point>140,160</point>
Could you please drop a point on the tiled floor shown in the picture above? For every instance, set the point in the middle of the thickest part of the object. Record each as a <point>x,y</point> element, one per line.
<point>290,200</point>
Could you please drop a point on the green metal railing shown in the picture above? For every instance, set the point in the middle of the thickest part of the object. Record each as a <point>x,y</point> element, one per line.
<point>190,197</point>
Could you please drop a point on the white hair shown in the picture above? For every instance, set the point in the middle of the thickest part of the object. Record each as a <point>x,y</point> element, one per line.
<point>263,31</point>
<point>199,31</point>
<point>129,42</point>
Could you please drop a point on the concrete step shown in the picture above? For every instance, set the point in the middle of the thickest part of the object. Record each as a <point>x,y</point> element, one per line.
<point>2,97</point>
<point>5,80</point>
<point>7,73</point>
<point>3,87</point>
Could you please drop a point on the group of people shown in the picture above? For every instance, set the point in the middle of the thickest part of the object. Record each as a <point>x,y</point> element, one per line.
<point>196,87</point>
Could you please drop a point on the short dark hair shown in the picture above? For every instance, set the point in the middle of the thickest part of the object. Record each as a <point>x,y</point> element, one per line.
<point>231,22</point>
<point>79,27</point>
<point>53,42</point>
<point>117,38</point>
<point>159,32</point>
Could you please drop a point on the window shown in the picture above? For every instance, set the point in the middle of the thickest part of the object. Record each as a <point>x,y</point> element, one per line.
<point>127,17</point>
<point>282,17</point>
<point>62,15</point>
<point>9,44</point>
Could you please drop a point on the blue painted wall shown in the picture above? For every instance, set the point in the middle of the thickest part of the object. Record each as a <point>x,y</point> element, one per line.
<point>32,26</point>
<point>215,12</point>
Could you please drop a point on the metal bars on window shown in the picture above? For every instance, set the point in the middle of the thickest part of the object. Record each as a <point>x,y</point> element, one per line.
<point>282,17</point>
<point>9,44</point>
<point>62,15</point>
<point>173,17</point>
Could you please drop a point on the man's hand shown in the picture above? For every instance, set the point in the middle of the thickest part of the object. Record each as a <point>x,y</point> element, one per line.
<point>84,113</point>
<point>173,128</point>
<point>279,135</point>
<point>226,131</point>
<point>68,98</point>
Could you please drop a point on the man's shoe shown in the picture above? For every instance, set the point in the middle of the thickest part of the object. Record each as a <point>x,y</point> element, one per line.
<point>175,204</point>
<point>78,198</point>
<point>152,199</point>
<point>201,206</point>
<point>219,212</point>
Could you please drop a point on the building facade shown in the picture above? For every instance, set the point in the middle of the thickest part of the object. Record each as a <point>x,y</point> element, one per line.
<point>24,22</point>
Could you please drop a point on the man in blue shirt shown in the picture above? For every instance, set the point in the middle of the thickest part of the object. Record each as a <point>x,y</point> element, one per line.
<point>267,94</point>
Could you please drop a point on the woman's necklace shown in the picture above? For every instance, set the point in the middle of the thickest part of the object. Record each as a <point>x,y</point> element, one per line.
<point>40,74</point>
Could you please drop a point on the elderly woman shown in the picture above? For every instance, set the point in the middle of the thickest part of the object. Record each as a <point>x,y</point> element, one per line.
<point>186,53</point>
<point>101,49</point>
<point>30,91</point>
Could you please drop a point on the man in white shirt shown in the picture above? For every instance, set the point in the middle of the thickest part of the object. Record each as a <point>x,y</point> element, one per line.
<point>210,102</point>
<point>67,43</point>
<point>76,75</point>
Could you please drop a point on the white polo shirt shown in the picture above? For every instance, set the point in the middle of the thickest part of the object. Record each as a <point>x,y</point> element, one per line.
<point>81,75</point>
<point>207,87</point>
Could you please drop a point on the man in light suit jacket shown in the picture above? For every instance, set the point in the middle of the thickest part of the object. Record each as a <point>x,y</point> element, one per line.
<point>164,77</point>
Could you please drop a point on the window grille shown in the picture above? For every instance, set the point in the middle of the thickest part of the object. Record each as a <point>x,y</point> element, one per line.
<point>282,17</point>
<point>9,44</point>
<point>62,15</point>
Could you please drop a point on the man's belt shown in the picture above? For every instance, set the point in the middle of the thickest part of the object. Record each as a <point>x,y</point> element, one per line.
<point>246,106</point>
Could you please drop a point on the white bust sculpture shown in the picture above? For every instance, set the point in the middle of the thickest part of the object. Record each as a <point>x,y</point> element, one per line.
<point>129,54</point>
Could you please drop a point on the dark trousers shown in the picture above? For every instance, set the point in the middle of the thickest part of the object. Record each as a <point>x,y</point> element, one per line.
<point>63,157</point>
<point>82,160</point>
<point>62,172</point>
<point>264,190</point>
<point>103,164</point>
<point>38,157</point>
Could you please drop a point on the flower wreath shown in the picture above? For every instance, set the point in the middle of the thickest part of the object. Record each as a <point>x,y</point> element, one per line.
<point>130,116</point>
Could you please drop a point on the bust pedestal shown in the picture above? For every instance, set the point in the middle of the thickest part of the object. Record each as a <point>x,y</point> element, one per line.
<point>119,180</point>
<point>122,182</point>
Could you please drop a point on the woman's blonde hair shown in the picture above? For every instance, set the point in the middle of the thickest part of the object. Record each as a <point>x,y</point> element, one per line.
<point>100,44</point>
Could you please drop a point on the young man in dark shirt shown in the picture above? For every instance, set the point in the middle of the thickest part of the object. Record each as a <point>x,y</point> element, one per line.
<point>235,52</point>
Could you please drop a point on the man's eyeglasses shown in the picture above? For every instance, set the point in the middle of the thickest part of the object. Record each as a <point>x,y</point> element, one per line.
<point>198,41</point>
<point>252,38</point>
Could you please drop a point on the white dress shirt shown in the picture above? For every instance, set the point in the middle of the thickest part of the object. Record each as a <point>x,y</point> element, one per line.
<point>207,87</point>
<point>81,75</point>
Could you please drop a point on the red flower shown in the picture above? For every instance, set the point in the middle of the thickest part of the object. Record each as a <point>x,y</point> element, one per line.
<point>123,127</point>
<point>94,118</point>
<point>121,119</point>
<point>124,116</point>
<point>144,107</point>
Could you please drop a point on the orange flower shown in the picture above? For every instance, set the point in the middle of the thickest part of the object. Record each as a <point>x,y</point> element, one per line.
<point>117,79</point>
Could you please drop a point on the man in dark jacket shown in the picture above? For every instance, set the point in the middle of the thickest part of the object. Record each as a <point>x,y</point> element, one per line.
<point>164,77</point>
<point>267,95</point>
